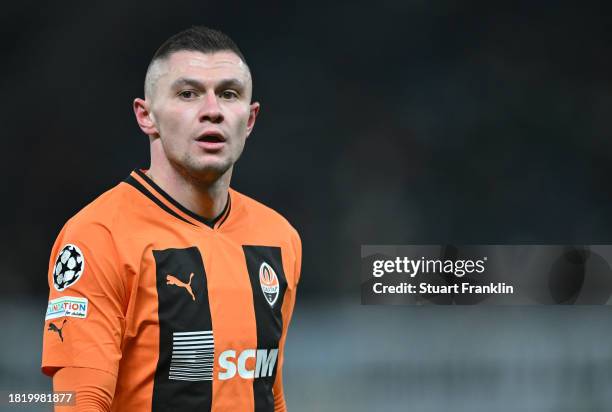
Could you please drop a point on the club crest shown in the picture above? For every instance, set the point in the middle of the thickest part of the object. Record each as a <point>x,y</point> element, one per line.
<point>269,283</point>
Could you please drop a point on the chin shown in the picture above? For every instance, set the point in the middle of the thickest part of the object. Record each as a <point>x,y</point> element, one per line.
<point>209,171</point>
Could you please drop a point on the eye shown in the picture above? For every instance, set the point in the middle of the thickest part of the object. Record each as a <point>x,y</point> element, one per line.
<point>188,94</point>
<point>229,94</point>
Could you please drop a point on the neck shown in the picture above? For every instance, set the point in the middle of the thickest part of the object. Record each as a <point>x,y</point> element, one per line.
<point>203,197</point>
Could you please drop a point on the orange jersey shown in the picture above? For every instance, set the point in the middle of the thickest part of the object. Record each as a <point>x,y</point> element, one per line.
<point>188,314</point>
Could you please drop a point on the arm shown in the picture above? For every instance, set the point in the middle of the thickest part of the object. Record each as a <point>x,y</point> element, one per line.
<point>85,319</point>
<point>94,389</point>
<point>287,310</point>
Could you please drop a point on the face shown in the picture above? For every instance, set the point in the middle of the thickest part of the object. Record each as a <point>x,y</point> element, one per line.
<point>198,113</point>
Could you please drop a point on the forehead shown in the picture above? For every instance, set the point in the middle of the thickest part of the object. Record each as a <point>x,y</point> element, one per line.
<point>206,66</point>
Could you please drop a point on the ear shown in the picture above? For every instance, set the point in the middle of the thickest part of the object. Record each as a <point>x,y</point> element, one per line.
<point>145,118</point>
<point>253,111</point>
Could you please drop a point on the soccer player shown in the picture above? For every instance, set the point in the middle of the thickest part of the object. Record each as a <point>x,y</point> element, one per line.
<point>172,291</point>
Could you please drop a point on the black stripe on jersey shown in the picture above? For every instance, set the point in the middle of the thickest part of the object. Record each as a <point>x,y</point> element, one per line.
<point>137,185</point>
<point>269,318</point>
<point>208,222</point>
<point>228,207</point>
<point>183,379</point>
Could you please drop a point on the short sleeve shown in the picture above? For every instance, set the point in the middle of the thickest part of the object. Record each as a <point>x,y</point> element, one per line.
<point>94,389</point>
<point>85,321</point>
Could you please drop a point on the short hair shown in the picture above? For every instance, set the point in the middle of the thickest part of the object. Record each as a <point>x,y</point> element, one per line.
<point>195,38</point>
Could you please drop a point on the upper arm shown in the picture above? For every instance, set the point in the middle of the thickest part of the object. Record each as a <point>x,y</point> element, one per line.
<point>287,312</point>
<point>85,321</point>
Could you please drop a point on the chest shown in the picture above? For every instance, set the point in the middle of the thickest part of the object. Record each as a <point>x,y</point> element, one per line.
<point>226,291</point>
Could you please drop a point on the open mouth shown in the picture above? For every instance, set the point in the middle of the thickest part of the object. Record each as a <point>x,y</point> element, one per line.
<point>211,138</point>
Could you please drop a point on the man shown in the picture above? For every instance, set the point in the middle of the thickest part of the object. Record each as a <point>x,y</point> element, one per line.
<point>172,291</point>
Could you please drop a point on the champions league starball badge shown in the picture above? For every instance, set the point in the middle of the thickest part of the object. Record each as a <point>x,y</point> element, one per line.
<point>68,267</point>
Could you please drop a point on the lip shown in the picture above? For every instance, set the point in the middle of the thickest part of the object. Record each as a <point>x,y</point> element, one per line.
<point>212,132</point>
<point>211,146</point>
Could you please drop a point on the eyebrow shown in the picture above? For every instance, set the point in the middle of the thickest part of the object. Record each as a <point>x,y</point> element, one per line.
<point>231,83</point>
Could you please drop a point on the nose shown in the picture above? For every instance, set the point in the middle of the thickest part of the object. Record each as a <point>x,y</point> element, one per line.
<point>211,111</point>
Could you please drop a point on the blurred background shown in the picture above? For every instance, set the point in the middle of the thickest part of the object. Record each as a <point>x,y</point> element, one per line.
<point>383,122</point>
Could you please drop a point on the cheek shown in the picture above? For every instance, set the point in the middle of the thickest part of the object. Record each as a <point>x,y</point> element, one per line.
<point>173,120</point>
<point>241,118</point>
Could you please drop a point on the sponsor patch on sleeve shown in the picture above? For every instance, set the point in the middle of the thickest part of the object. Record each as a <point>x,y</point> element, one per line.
<point>67,306</point>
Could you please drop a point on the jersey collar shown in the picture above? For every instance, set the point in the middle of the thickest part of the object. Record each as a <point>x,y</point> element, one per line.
<point>140,181</point>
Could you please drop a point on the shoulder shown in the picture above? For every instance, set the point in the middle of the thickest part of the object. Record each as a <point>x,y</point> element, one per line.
<point>90,237</point>
<point>101,217</point>
<point>263,215</point>
<point>265,226</point>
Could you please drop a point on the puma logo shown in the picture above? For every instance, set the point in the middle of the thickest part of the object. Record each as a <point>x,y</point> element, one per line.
<point>172,280</point>
<point>54,328</point>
